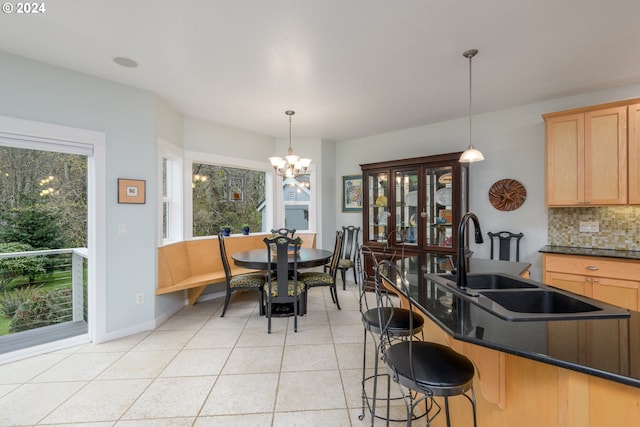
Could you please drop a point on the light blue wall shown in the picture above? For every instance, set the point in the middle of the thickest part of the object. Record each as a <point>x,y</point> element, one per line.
<point>35,91</point>
<point>513,143</point>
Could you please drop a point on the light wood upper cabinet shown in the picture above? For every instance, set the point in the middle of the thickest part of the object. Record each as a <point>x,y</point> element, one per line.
<point>634,154</point>
<point>587,157</point>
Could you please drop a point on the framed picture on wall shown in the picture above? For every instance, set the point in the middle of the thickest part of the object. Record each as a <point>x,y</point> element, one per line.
<point>352,193</point>
<point>131,191</point>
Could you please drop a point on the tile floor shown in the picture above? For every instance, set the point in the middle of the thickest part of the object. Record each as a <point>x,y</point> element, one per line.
<point>199,369</point>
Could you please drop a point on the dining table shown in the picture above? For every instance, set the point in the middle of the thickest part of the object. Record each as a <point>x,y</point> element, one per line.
<point>256,259</point>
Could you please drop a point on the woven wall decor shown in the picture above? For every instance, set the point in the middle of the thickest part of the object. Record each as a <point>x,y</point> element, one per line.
<point>507,195</point>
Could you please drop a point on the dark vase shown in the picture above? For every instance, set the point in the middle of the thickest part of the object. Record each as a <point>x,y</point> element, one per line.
<point>226,231</point>
<point>245,231</point>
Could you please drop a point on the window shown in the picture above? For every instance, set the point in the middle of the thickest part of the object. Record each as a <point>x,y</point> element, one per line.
<point>296,198</point>
<point>227,196</point>
<point>170,192</point>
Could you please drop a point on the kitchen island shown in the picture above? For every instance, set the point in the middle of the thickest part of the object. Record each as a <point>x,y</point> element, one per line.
<point>535,373</point>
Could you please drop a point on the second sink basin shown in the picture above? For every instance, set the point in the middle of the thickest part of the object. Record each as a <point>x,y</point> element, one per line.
<point>491,281</point>
<point>540,301</point>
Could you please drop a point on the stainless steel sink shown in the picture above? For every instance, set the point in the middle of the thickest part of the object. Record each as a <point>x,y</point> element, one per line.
<point>518,299</point>
<point>491,281</point>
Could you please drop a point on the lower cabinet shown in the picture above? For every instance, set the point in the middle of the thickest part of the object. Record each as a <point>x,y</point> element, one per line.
<point>610,280</point>
<point>613,281</point>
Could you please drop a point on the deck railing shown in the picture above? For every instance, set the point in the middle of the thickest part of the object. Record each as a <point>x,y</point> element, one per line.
<point>69,268</point>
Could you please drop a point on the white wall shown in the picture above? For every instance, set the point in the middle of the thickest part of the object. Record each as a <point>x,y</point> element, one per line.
<point>512,142</point>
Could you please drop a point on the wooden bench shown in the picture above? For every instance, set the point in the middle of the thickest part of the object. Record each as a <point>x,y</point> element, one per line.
<point>192,265</point>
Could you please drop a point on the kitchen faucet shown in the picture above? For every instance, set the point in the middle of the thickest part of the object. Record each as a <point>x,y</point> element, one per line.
<point>462,262</point>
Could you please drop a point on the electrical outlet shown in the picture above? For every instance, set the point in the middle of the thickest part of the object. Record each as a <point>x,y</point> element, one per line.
<point>139,298</point>
<point>589,226</point>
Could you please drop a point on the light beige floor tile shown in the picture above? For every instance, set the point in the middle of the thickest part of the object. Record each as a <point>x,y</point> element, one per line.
<point>214,338</point>
<point>21,371</point>
<point>334,417</point>
<point>226,322</point>
<point>242,394</point>
<point>345,317</point>
<point>248,420</point>
<point>309,334</point>
<point>347,333</point>
<point>120,344</point>
<point>93,424</point>
<point>159,422</point>
<point>139,364</point>
<point>320,357</point>
<point>165,340</point>
<point>6,388</point>
<point>184,322</point>
<point>79,367</point>
<point>197,362</point>
<point>29,403</point>
<point>299,391</point>
<point>247,360</point>
<point>171,397</point>
<point>258,337</point>
<point>350,356</point>
<point>99,401</point>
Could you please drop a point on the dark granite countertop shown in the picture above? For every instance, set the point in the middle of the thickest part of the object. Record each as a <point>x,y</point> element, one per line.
<point>607,348</point>
<point>607,253</point>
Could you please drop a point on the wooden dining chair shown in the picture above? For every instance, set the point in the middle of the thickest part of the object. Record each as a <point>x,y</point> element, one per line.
<point>284,232</point>
<point>348,257</point>
<point>283,286</point>
<point>312,279</point>
<point>239,282</point>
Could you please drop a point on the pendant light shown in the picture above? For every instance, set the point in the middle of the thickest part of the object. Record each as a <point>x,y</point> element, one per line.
<point>471,154</point>
<point>292,165</point>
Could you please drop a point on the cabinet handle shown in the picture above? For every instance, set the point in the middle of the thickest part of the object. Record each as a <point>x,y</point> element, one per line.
<point>595,280</point>
<point>423,214</point>
<point>591,267</point>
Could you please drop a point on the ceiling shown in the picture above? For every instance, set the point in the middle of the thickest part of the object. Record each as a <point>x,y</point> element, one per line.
<point>349,68</point>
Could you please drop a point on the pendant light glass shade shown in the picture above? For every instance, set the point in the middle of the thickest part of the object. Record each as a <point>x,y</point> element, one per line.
<point>471,154</point>
<point>292,165</point>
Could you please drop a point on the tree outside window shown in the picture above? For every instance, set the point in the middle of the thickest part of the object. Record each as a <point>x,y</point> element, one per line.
<point>225,196</point>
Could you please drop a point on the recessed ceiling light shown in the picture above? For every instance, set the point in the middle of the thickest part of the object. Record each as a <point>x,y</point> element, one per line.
<point>125,62</point>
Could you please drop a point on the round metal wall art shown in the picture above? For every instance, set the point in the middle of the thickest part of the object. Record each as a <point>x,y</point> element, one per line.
<point>507,195</point>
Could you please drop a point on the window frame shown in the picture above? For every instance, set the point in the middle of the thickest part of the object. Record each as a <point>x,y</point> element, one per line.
<point>174,197</point>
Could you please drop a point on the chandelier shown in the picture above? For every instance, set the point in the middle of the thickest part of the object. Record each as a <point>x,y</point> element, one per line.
<point>471,154</point>
<point>292,165</point>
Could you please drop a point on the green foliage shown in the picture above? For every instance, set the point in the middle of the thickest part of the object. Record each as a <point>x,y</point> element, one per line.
<point>38,226</point>
<point>10,301</point>
<point>214,205</point>
<point>43,309</point>
<point>11,268</point>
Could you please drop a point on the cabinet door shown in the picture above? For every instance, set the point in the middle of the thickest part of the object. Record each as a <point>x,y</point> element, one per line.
<point>575,283</point>
<point>623,293</point>
<point>634,154</point>
<point>565,160</point>
<point>376,208</point>
<point>407,213</point>
<point>441,203</point>
<point>605,157</point>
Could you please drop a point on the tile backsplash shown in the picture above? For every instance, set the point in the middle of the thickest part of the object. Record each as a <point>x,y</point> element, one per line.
<point>619,227</point>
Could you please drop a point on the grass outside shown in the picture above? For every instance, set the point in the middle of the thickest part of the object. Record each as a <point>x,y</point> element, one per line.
<point>55,280</point>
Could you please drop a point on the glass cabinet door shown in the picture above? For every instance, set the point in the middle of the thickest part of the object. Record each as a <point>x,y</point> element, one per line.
<point>378,194</point>
<point>407,214</point>
<point>439,212</point>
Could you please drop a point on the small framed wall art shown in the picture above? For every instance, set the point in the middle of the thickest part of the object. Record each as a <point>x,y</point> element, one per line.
<point>352,193</point>
<point>131,191</point>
